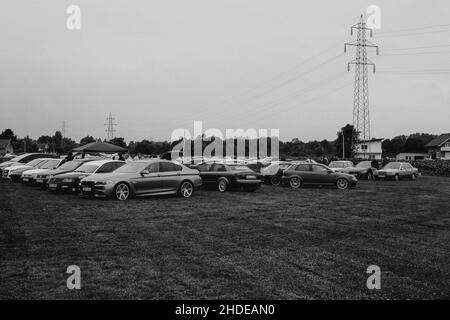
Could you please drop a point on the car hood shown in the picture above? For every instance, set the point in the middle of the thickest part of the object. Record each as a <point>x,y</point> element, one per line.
<point>7,164</point>
<point>54,172</point>
<point>18,167</point>
<point>388,170</point>
<point>72,175</point>
<point>33,171</point>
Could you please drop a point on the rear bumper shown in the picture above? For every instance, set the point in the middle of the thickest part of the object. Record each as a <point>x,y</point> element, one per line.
<point>248,182</point>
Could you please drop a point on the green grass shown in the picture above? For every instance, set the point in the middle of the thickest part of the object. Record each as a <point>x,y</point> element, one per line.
<point>276,243</point>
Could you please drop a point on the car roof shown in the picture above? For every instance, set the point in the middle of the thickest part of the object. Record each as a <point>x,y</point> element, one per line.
<point>102,162</point>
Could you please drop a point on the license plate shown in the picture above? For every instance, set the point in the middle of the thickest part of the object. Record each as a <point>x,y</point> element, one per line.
<point>39,181</point>
<point>52,185</point>
<point>381,176</point>
<point>25,179</point>
<point>251,177</point>
<point>87,189</point>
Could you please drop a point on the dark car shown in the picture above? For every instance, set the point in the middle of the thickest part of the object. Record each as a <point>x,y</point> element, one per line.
<point>302,174</point>
<point>25,158</point>
<point>43,177</point>
<point>362,170</point>
<point>229,176</point>
<point>70,181</point>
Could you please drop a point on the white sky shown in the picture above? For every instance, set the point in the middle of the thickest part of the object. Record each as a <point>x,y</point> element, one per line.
<point>161,64</point>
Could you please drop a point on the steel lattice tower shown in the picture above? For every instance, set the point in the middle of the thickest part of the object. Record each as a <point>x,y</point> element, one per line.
<point>361,119</point>
<point>110,128</point>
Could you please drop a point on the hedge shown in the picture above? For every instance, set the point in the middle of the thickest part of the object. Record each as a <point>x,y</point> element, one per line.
<point>432,167</point>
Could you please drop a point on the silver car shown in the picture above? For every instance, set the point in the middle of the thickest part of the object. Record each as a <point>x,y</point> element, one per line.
<point>142,178</point>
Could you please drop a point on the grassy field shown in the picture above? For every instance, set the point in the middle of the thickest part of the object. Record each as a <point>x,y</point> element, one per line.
<point>276,243</point>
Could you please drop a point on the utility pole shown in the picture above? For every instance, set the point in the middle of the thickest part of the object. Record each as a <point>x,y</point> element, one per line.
<point>361,119</point>
<point>110,127</point>
<point>343,145</point>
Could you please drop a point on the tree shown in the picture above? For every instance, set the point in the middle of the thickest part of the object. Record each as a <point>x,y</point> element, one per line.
<point>118,141</point>
<point>8,134</point>
<point>86,140</point>
<point>57,142</point>
<point>349,137</point>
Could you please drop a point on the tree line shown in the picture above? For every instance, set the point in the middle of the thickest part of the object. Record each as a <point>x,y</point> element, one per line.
<point>345,144</point>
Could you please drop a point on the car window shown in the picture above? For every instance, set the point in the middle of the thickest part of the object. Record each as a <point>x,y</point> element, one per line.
<point>218,167</point>
<point>169,166</point>
<point>153,167</point>
<point>406,166</point>
<point>317,168</point>
<point>302,167</point>
<point>204,167</point>
<point>51,164</point>
<point>107,167</point>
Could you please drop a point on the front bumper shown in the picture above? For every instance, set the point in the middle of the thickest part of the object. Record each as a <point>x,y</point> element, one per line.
<point>90,189</point>
<point>60,186</point>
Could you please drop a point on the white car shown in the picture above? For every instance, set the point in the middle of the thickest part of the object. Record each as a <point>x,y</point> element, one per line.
<point>29,176</point>
<point>14,172</point>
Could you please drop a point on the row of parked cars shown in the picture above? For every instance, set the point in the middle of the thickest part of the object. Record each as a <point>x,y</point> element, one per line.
<point>122,180</point>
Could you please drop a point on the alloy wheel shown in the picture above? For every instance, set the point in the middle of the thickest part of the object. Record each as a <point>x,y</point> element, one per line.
<point>186,189</point>
<point>342,184</point>
<point>222,185</point>
<point>295,183</point>
<point>122,192</point>
<point>275,180</point>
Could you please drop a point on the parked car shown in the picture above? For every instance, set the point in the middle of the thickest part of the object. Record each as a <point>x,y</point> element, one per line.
<point>24,158</point>
<point>43,176</point>
<point>29,176</point>
<point>340,164</point>
<point>229,176</point>
<point>397,171</point>
<point>272,173</point>
<point>70,181</point>
<point>143,178</point>
<point>362,170</point>
<point>302,174</point>
<point>14,172</point>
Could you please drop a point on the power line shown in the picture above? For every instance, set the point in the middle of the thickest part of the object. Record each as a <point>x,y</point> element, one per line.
<point>414,48</point>
<point>412,34</point>
<point>413,29</point>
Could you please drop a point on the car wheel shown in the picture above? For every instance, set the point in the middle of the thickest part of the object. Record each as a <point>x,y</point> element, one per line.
<point>222,185</point>
<point>275,180</point>
<point>396,177</point>
<point>295,182</point>
<point>342,184</point>
<point>122,192</point>
<point>186,189</point>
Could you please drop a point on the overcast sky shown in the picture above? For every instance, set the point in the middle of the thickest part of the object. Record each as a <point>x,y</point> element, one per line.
<point>157,65</point>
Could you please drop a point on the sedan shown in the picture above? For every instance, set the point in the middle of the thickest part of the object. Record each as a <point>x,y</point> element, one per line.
<point>363,170</point>
<point>339,165</point>
<point>43,177</point>
<point>229,176</point>
<point>14,172</point>
<point>396,171</point>
<point>272,173</point>
<point>25,158</point>
<point>29,176</point>
<point>316,174</point>
<point>71,180</point>
<point>143,178</point>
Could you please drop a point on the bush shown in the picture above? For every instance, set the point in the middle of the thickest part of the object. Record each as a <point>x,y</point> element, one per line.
<point>433,167</point>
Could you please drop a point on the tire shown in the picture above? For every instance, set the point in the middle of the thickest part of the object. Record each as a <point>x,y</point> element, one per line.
<point>295,182</point>
<point>186,189</point>
<point>122,191</point>
<point>222,185</point>
<point>342,184</point>
<point>275,180</point>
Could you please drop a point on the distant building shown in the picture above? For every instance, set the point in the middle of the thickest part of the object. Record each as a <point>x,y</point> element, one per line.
<point>439,148</point>
<point>369,149</point>
<point>411,156</point>
<point>6,146</point>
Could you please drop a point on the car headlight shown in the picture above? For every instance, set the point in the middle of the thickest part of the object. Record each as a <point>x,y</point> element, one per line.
<point>106,182</point>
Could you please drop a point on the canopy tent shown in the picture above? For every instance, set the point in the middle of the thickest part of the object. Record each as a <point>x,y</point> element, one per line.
<point>100,146</point>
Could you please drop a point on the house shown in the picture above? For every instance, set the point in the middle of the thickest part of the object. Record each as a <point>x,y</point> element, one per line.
<point>369,149</point>
<point>411,156</point>
<point>439,148</point>
<point>6,146</point>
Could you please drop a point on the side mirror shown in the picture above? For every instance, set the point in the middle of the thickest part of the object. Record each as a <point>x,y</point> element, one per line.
<point>145,173</point>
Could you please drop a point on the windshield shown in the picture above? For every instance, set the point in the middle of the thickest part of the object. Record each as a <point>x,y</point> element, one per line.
<point>18,158</point>
<point>70,166</point>
<point>240,168</point>
<point>392,165</point>
<point>34,162</point>
<point>49,164</point>
<point>364,164</point>
<point>132,167</point>
<point>337,164</point>
<point>87,168</point>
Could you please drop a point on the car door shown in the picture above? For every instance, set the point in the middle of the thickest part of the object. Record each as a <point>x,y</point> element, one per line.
<point>217,171</point>
<point>304,171</point>
<point>321,175</point>
<point>170,175</point>
<point>151,182</point>
<point>405,170</point>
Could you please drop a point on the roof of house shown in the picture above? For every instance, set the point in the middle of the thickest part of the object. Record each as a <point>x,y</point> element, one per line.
<point>371,140</point>
<point>439,141</point>
<point>4,143</point>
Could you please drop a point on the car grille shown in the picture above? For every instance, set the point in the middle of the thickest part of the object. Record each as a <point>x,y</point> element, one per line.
<point>90,184</point>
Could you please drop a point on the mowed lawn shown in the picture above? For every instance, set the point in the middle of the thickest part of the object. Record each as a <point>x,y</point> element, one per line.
<point>276,243</point>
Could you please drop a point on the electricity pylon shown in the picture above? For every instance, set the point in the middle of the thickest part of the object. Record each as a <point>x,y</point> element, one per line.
<point>110,128</point>
<point>361,119</point>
